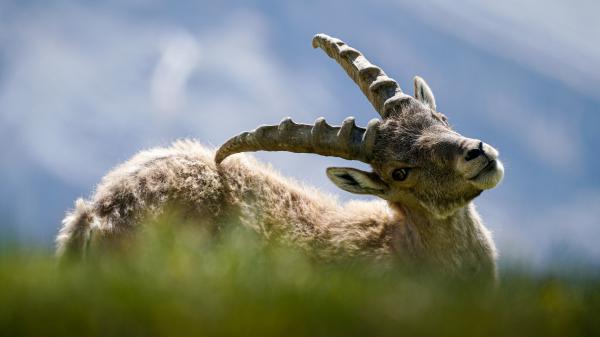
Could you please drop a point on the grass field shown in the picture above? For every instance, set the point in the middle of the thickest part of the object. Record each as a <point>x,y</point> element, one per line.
<point>235,286</point>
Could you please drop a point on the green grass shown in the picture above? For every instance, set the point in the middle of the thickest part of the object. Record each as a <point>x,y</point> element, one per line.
<point>233,285</point>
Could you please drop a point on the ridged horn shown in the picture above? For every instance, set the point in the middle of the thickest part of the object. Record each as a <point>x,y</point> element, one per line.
<point>347,141</point>
<point>383,92</point>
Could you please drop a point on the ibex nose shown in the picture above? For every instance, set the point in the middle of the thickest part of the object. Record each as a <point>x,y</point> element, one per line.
<point>475,152</point>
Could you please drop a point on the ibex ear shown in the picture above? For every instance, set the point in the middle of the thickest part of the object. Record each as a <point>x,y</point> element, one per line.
<point>423,93</point>
<point>356,181</point>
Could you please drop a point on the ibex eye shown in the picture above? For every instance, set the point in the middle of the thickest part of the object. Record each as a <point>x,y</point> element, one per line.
<point>400,174</point>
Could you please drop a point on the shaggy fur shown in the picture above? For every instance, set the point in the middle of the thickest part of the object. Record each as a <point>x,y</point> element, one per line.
<point>426,173</point>
<point>244,190</point>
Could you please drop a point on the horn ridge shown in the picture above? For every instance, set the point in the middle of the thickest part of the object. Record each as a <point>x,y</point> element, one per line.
<point>372,80</point>
<point>347,141</point>
<point>368,138</point>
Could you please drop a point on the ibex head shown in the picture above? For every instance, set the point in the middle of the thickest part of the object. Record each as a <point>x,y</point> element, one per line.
<point>418,160</point>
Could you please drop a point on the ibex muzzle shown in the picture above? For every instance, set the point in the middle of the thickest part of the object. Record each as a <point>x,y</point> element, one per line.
<point>418,161</point>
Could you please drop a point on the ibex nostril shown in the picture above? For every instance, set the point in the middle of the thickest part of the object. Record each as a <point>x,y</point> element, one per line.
<point>473,153</point>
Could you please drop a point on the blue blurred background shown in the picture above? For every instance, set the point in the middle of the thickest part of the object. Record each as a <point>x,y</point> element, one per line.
<point>85,85</point>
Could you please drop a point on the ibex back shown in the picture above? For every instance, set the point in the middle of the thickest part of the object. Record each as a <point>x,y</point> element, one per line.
<point>426,173</point>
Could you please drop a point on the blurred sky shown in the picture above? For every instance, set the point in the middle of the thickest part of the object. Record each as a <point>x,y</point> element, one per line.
<point>85,85</point>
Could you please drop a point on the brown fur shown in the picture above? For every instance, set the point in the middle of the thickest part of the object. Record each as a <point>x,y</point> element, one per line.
<point>279,209</point>
<point>426,173</point>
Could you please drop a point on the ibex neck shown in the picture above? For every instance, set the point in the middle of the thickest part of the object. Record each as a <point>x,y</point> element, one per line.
<point>457,242</point>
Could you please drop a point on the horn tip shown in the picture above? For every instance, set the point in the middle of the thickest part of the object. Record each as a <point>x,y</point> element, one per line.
<point>319,38</point>
<point>219,158</point>
<point>315,40</point>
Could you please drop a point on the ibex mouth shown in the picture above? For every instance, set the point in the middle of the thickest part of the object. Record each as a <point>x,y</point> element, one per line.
<point>489,176</point>
<point>491,165</point>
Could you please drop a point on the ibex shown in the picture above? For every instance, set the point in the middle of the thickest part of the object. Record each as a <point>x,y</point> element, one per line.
<point>426,173</point>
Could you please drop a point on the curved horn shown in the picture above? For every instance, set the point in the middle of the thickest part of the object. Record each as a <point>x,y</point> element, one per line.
<point>347,141</point>
<point>383,92</point>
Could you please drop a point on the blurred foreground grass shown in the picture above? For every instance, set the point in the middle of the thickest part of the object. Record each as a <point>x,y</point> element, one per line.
<point>192,284</point>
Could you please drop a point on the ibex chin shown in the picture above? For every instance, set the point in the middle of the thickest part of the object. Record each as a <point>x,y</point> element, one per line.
<point>426,173</point>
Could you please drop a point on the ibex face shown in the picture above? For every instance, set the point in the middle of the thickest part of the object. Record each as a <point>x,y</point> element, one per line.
<point>418,161</point>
